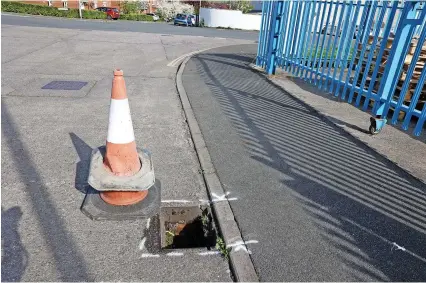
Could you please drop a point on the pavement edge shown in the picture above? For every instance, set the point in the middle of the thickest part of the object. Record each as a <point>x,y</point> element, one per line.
<point>240,261</point>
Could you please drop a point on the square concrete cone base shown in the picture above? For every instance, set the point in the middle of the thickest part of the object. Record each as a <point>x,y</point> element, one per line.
<point>96,209</point>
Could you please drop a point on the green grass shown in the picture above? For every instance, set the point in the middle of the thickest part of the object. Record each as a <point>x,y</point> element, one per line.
<point>327,54</point>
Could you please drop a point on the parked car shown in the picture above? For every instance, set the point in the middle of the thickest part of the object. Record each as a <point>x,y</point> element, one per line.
<point>330,30</point>
<point>183,19</point>
<point>112,13</point>
<point>154,16</point>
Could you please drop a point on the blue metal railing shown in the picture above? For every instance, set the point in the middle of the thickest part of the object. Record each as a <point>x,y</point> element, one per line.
<point>370,53</point>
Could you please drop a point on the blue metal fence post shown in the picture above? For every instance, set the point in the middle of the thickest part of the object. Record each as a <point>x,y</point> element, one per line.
<point>403,36</point>
<point>261,36</point>
<point>275,30</point>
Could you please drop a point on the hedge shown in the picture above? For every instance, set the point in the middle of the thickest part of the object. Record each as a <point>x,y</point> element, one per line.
<point>136,17</point>
<point>15,7</point>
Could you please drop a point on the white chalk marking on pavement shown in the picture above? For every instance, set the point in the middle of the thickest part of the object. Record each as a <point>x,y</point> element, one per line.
<point>149,255</point>
<point>217,198</point>
<point>241,245</point>
<point>395,246</point>
<point>148,223</point>
<point>209,253</point>
<point>177,61</point>
<point>142,243</point>
<point>174,254</point>
<point>175,200</point>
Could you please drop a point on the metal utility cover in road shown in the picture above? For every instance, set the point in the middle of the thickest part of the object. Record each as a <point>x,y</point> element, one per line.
<point>65,85</point>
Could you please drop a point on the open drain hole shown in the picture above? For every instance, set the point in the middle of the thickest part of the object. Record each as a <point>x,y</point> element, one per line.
<point>187,227</point>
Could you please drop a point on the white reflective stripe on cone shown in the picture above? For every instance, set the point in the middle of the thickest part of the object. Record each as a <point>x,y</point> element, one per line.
<point>120,128</point>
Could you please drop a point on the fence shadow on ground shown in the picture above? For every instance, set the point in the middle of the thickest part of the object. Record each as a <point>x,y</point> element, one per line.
<point>364,205</point>
<point>316,91</point>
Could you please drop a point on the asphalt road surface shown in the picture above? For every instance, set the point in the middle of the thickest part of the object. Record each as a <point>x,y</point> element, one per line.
<point>132,26</point>
<point>320,205</point>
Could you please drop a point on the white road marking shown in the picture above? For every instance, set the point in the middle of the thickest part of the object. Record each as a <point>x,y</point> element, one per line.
<point>177,61</point>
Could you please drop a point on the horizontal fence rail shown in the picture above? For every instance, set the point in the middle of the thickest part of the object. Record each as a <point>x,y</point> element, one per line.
<point>370,53</point>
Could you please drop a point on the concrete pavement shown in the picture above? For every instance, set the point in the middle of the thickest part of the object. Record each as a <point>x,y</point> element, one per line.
<point>47,137</point>
<point>316,203</point>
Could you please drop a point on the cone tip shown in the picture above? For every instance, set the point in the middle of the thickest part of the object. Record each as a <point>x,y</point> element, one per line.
<point>118,72</point>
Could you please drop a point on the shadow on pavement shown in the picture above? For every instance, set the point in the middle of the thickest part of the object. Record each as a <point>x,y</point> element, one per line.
<point>364,205</point>
<point>315,90</point>
<point>84,152</point>
<point>69,262</point>
<point>14,255</point>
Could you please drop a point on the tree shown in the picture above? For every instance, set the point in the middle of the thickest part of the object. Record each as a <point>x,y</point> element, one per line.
<point>144,5</point>
<point>168,9</point>
<point>130,7</point>
<point>243,6</point>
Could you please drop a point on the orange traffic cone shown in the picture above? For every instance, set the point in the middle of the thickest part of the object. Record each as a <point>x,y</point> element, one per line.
<point>121,157</point>
<point>121,176</point>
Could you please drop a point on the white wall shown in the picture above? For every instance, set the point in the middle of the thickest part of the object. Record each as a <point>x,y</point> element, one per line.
<point>229,18</point>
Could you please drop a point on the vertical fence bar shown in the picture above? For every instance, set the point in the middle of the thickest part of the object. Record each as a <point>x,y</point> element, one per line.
<point>359,37</point>
<point>281,35</point>
<point>376,31</point>
<point>422,117</point>
<point>348,49</point>
<point>285,32</point>
<point>290,47</point>
<point>342,40</point>
<point>404,33</point>
<point>270,61</point>
<point>274,33</point>
<point>380,54</point>
<point>407,81</point>
<point>370,17</point>
<point>322,74</point>
<point>261,35</point>
<point>315,37</point>
<point>265,32</point>
<point>304,35</point>
<point>318,73</point>
<point>298,37</point>
<point>318,40</point>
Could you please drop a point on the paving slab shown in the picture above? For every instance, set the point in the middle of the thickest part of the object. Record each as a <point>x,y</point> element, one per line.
<point>47,137</point>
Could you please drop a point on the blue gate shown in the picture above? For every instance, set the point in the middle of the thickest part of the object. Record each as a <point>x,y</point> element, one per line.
<point>370,53</point>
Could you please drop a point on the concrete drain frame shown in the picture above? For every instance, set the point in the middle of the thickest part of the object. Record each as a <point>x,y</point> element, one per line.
<point>187,227</point>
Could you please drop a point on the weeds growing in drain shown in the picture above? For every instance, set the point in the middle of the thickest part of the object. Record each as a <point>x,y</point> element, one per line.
<point>221,247</point>
<point>169,238</point>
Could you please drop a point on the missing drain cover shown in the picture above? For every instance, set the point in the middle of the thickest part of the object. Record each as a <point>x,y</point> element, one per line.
<point>187,227</point>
